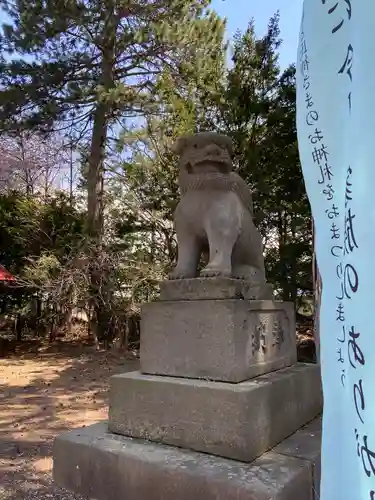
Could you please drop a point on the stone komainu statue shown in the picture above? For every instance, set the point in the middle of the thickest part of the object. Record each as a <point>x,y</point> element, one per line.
<point>215,214</point>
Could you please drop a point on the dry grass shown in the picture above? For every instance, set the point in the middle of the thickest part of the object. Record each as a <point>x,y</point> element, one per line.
<point>41,394</point>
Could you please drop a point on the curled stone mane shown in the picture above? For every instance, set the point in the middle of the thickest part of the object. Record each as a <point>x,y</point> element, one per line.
<point>217,181</point>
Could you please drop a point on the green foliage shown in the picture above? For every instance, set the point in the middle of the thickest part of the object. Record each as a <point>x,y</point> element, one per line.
<point>39,237</point>
<point>254,102</point>
<point>125,80</point>
<point>31,228</point>
<point>259,114</point>
<point>96,65</point>
<point>90,52</point>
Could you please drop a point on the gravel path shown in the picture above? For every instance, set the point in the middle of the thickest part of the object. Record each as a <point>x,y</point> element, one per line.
<point>41,395</point>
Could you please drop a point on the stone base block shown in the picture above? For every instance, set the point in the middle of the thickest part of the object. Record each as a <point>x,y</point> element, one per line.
<point>214,289</point>
<point>238,421</point>
<point>103,466</point>
<point>227,340</point>
<point>306,444</point>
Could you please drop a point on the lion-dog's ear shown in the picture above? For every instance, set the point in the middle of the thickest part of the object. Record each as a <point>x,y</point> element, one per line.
<point>180,145</point>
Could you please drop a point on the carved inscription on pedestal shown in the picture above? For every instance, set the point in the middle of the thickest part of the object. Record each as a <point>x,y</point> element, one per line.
<point>259,335</point>
<point>267,334</point>
<point>277,332</point>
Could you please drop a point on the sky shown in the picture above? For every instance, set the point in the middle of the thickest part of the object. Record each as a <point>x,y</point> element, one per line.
<point>240,12</point>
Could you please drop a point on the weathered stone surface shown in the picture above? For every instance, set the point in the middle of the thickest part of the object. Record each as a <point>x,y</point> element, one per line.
<point>226,340</point>
<point>215,213</point>
<point>237,421</point>
<point>104,466</point>
<point>214,288</point>
<point>306,444</point>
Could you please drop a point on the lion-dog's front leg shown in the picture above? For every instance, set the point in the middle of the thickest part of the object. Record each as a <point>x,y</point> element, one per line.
<point>188,249</point>
<point>222,225</point>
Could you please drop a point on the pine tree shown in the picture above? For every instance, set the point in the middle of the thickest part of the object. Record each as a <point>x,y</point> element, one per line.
<point>259,113</point>
<point>145,185</point>
<point>95,65</point>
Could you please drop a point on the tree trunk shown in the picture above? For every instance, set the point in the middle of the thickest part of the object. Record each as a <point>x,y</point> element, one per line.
<point>53,326</point>
<point>102,114</point>
<point>71,175</point>
<point>18,327</point>
<point>293,286</point>
<point>95,176</point>
<point>282,245</point>
<point>318,286</point>
<point>124,335</point>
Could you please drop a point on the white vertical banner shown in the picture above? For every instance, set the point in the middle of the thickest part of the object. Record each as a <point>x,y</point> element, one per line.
<point>336,137</point>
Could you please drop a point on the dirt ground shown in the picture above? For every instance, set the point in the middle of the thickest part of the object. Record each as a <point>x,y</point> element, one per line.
<point>43,393</point>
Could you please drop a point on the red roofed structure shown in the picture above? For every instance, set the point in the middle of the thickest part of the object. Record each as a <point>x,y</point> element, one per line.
<point>5,275</point>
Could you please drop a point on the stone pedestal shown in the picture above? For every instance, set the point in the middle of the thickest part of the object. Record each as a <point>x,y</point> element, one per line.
<point>104,466</point>
<point>238,421</point>
<point>218,376</point>
<point>229,340</point>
